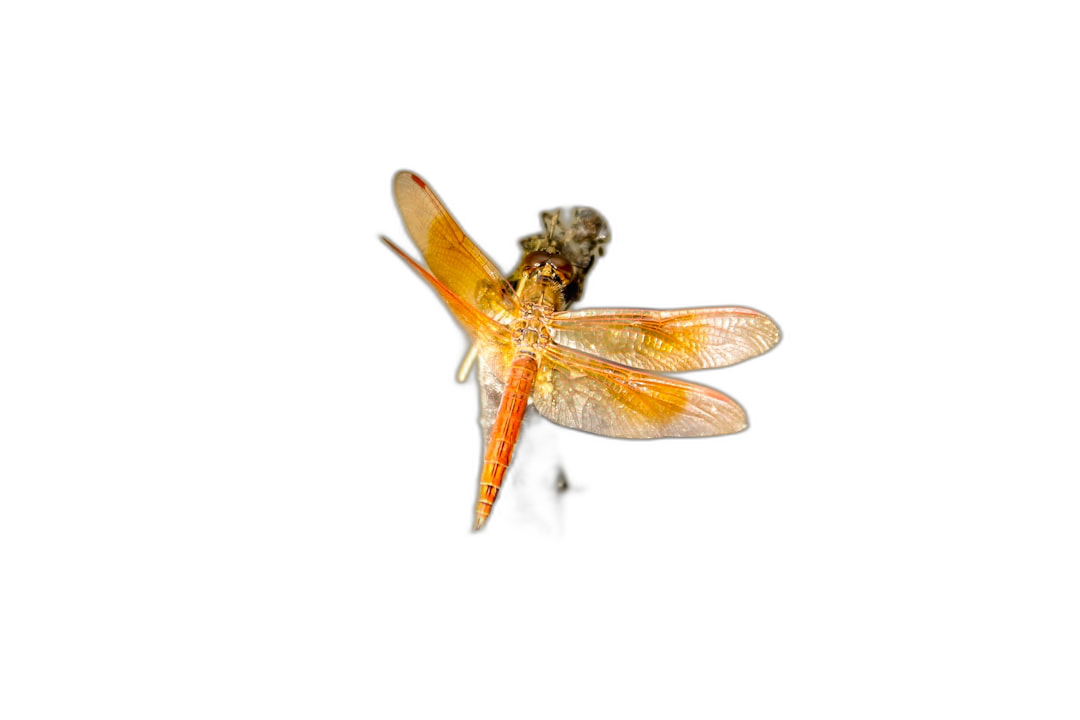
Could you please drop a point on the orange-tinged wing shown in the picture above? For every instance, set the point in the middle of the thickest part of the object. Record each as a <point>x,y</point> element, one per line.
<point>452,256</point>
<point>668,340</point>
<point>586,393</point>
<point>491,338</point>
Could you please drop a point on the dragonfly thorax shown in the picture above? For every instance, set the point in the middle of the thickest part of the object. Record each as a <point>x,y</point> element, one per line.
<point>530,332</point>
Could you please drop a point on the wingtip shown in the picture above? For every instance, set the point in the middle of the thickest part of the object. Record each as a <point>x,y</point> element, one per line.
<point>406,176</point>
<point>775,336</point>
<point>395,248</point>
<point>390,244</point>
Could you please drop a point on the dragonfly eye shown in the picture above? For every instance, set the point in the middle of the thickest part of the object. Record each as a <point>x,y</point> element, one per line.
<point>535,261</point>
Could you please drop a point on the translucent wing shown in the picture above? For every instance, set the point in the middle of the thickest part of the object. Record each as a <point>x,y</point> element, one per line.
<point>452,256</point>
<point>586,393</point>
<point>491,338</point>
<point>668,340</point>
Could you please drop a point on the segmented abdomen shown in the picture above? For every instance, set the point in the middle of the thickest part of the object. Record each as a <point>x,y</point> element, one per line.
<point>504,432</point>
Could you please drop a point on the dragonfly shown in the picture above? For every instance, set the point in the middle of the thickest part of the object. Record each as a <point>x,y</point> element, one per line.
<point>595,370</point>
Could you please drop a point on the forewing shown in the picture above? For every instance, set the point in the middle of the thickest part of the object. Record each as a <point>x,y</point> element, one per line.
<point>586,393</point>
<point>491,338</point>
<point>452,256</point>
<point>668,340</point>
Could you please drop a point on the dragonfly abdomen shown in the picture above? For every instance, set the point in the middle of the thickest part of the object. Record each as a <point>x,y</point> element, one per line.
<point>504,432</point>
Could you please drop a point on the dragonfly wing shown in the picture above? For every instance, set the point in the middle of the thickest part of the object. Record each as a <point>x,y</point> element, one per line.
<point>491,338</point>
<point>448,251</point>
<point>668,340</point>
<point>586,393</point>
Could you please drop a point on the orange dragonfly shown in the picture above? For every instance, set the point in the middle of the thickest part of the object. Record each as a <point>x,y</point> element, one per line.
<point>583,368</point>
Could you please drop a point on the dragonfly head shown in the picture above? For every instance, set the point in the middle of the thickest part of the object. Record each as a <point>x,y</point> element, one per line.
<point>544,265</point>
